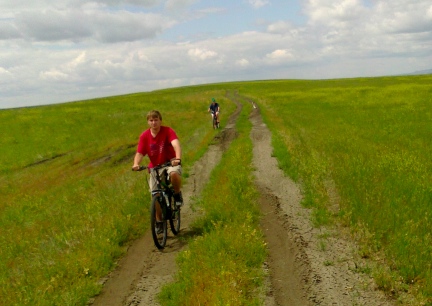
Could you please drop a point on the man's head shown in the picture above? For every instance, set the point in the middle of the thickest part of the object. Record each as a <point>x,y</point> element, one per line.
<point>154,114</point>
<point>213,100</point>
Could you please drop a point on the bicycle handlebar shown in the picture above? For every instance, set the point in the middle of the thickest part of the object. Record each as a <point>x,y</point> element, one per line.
<point>141,168</point>
<point>167,164</point>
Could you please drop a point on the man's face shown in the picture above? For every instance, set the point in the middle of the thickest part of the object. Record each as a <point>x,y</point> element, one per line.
<point>154,123</point>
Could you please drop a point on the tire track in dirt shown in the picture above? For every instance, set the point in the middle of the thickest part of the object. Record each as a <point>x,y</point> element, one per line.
<point>143,271</point>
<point>302,272</point>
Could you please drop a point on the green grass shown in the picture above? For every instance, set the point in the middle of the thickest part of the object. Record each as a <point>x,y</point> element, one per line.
<point>69,202</point>
<point>371,140</point>
<point>223,266</point>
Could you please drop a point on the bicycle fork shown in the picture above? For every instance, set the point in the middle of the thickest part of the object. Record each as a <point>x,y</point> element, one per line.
<point>164,204</point>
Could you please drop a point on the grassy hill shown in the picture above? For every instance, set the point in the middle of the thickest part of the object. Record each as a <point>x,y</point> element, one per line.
<point>68,202</point>
<point>68,198</point>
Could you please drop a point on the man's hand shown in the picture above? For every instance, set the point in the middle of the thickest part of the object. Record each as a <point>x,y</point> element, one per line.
<point>137,160</point>
<point>175,162</point>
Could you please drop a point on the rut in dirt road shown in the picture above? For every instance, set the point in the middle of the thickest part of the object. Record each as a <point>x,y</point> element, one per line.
<point>143,271</point>
<point>302,273</point>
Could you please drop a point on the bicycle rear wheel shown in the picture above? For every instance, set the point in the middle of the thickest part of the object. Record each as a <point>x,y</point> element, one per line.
<point>158,228</point>
<point>175,217</point>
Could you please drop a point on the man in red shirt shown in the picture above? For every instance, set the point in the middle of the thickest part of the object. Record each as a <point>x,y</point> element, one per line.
<point>161,144</point>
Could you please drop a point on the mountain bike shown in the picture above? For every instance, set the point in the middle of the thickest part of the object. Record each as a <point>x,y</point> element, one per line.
<point>162,204</point>
<point>215,123</point>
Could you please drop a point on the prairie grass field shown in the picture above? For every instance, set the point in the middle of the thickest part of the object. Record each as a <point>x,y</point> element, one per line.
<point>360,149</point>
<point>69,202</point>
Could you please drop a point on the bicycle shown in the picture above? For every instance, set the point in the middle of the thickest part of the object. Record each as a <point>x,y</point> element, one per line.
<point>163,201</point>
<point>215,122</point>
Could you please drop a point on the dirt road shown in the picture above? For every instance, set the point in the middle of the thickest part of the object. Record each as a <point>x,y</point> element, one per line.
<point>301,270</point>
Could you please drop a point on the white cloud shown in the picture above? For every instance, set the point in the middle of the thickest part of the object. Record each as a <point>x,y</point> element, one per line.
<point>403,16</point>
<point>54,75</point>
<point>68,50</point>
<point>68,71</point>
<point>3,71</point>
<point>334,13</point>
<point>242,62</point>
<point>348,28</point>
<point>281,27</point>
<point>178,4</point>
<point>201,54</point>
<point>80,59</point>
<point>258,3</point>
<point>78,25</point>
<point>126,26</point>
<point>53,25</point>
<point>8,30</point>
<point>280,55</point>
<point>61,4</point>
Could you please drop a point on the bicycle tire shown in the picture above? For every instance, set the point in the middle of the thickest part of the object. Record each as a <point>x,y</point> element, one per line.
<point>158,238</point>
<point>175,219</point>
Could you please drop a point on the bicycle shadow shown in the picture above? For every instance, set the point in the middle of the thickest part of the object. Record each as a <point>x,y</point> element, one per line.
<point>179,242</point>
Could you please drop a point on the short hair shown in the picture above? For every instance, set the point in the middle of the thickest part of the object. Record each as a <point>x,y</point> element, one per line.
<point>154,114</point>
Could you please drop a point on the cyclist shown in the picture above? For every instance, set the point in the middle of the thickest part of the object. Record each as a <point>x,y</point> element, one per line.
<point>161,144</point>
<point>214,109</point>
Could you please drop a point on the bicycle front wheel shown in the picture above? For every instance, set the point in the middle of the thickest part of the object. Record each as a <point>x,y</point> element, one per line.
<point>158,223</point>
<point>175,217</point>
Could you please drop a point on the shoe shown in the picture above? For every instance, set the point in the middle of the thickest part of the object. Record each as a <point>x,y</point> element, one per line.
<point>178,199</point>
<point>159,228</point>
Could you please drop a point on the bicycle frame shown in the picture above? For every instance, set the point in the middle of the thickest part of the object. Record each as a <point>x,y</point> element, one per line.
<point>214,120</point>
<point>162,205</point>
<point>163,192</point>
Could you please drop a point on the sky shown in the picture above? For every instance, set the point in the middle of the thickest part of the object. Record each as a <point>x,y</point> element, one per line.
<point>69,50</point>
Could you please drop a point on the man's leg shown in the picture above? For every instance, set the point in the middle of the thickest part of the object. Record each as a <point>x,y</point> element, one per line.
<point>175,177</point>
<point>153,186</point>
<point>176,181</point>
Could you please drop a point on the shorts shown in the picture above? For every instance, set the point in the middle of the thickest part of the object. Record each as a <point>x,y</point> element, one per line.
<point>152,179</point>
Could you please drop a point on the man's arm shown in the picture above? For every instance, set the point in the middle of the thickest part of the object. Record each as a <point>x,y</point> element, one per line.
<point>177,149</point>
<point>137,160</point>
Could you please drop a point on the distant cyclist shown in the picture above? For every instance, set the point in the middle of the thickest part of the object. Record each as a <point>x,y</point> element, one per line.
<point>214,109</point>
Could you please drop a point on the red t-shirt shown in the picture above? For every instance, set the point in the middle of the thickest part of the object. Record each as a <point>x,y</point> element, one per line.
<point>159,149</point>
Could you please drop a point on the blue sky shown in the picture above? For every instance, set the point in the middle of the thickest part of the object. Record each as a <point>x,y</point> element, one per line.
<point>67,50</point>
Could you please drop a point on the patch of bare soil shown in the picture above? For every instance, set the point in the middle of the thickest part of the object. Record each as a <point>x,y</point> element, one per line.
<point>300,270</point>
